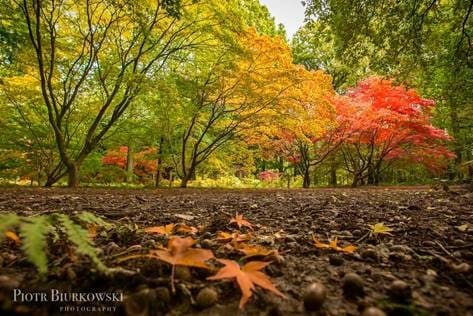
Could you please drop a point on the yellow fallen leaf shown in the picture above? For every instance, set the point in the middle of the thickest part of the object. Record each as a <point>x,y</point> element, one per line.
<point>12,236</point>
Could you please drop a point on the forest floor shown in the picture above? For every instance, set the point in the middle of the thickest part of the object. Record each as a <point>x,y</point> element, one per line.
<point>430,249</point>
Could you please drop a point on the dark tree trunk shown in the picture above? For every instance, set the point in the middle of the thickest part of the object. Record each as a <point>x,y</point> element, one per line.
<point>158,162</point>
<point>73,175</point>
<point>184,181</point>
<point>333,175</point>
<point>306,179</point>
<point>457,145</point>
<point>129,164</point>
<point>49,182</point>
<point>356,181</point>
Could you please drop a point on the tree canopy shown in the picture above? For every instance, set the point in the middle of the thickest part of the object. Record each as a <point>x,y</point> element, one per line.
<point>151,92</point>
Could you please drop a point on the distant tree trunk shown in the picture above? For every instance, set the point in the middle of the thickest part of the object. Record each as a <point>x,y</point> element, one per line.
<point>370,179</point>
<point>356,180</point>
<point>158,162</point>
<point>49,182</point>
<point>306,178</point>
<point>129,164</point>
<point>184,182</point>
<point>457,144</point>
<point>188,175</point>
<point>171,178</point>
<point>333,175</point>
<point>280,164</point>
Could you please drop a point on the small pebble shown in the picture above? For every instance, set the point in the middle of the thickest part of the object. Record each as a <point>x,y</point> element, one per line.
<point>458,242</point>
<point>206,297</point>
<point>369,253</point>
<point>400,291</point>
<point>461,267</point>
<point>428,243</point>
<point>183,273</point>
<point>111,248</point>
<point>352,285</point>
<point>137,304</point>
<point>8,283</point>
<point>71,274</point>
<point>335,260</point>
<point>401,248</point>
<point>373,311</point>
<point>357,233</point>
<point>150,243</point>
<point>206,243</point>
<point>162,294</point>
<point>314,296</point>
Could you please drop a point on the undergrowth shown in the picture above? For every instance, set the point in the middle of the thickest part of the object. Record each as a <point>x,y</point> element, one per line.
<point>37,232</point>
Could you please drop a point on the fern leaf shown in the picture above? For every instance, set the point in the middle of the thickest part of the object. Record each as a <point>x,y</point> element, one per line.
<point>34,243</point>
<point>79,237</point>
<point>7,221</point>
<point>90,218</point>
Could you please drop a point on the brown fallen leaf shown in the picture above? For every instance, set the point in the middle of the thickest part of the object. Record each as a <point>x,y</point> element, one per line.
<point>186,229</point>
<point>333,244</point>
<point>246,277</point>
<point>232,237</point>
<point>161,230</point>
<point>241,222</point>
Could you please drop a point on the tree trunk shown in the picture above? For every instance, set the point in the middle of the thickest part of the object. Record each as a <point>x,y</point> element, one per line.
<point>73,175</point>
<point>333,175</point>
<point>129,164</point>
<point>306,180</point>
<point>356,180</point>
<point>184,181</point>
<point>158,162</point>
<point>456,140</point>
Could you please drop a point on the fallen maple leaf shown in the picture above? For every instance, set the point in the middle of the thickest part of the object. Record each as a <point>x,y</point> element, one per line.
<point>183,228</point>
<point>333,244</point>
<point>12,236</point>
<point>162,230</point>
<point>380,229</point>
<point>233,237</point>
<point>238,219</point>
<point>255,250</point>
<point>178,253</point>
<point>246,277</point>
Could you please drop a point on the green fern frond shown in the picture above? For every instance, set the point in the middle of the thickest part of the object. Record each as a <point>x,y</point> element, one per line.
<point>80,238</point>
<point>7,221</point>
<point>34,243</point>
<point>90,218</point>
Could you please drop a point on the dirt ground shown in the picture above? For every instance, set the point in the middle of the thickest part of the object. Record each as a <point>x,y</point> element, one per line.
<point>430,249</point>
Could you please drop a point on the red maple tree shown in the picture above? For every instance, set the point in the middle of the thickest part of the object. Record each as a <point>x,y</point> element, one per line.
<point>382,123</point>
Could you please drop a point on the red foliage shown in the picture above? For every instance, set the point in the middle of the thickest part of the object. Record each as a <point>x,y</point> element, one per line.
<point>391,123</point>
<point>268,175</point>
<point>144,161</point>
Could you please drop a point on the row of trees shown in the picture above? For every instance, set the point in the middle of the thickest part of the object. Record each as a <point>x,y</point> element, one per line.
<point>194,87</point>
<point>422,43</point>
